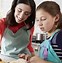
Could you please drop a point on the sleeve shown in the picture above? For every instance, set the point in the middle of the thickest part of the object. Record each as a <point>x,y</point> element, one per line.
<point>2,27</point>
<point>30,43</point>
<point>59,39</point>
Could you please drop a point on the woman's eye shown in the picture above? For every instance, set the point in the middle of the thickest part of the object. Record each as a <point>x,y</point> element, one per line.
<point>19,10</point>
<point>27,13</point>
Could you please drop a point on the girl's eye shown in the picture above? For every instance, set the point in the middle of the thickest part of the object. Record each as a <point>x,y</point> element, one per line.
<point>42,19</point>
<point>37,20</point>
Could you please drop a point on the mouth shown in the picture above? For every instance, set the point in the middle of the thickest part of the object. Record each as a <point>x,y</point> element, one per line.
<point>20,20</point>
<point>42,28</point>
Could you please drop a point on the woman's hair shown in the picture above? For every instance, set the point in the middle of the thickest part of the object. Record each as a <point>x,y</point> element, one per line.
<point>10,20</point>
<point>53,9</point>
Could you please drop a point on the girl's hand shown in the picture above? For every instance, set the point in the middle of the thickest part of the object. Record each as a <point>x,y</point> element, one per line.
<point>24,56</point>
<point>36,59</point>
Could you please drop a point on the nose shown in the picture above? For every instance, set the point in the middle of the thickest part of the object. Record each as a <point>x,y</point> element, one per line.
<point>21,15</point>
<point>40,23</point>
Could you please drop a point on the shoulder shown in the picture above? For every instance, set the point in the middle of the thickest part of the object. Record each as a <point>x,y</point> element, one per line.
<point>59,39</point>
<point>2,21</point>
<point>2,24</point>
<point>59,36</point>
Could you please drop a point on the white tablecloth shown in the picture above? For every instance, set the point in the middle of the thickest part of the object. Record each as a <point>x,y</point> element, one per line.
<point>6,58</point>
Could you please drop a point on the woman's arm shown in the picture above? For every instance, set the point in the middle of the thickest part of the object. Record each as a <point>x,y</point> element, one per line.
<point>27,56</point>
<point>30,43</point>
<point>2,28</point>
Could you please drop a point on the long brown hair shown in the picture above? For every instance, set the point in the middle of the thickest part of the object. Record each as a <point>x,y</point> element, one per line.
<point>10,20</point>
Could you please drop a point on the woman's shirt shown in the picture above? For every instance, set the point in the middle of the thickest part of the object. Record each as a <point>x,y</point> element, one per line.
<point>15,29</point>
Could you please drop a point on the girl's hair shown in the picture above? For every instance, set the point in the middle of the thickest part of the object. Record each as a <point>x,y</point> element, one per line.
<point>10,20</point>
<point>53,9</point>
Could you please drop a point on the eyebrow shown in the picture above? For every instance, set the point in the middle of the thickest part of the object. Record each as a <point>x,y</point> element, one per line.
<point>25,11</point>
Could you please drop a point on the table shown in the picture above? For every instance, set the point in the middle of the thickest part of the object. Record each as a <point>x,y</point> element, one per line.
<point>6,58</point>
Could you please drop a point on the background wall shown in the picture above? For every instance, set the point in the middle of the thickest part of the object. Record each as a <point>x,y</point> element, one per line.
<point>5,6</point>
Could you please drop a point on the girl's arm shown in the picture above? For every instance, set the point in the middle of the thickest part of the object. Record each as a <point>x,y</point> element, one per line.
<point>36,59</point>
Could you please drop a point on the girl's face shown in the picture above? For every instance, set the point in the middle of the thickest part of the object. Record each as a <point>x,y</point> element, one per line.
<point>22,12</point>
<point>45,21</point>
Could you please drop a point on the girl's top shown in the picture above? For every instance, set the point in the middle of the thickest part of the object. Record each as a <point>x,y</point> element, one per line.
<point>58,45</point>
<point>47,51</point>
<point>15,42</point>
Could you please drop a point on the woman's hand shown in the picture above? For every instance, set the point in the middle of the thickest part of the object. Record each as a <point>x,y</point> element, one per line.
<point>24,56</point>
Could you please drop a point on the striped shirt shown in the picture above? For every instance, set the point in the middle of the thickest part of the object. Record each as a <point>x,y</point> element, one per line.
<point>58,46</point>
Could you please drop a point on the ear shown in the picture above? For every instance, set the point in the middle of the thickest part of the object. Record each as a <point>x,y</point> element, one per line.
<point>57,18</point>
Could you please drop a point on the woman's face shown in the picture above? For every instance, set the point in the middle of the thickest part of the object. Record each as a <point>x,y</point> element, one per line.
<point>22,12</point>
<point>45,21</point>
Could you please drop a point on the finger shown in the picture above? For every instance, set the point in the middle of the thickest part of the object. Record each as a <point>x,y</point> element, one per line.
<point>21,55</point>
<point>26,57</point>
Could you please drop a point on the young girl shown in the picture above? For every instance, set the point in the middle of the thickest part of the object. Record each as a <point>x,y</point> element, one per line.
<point>17,28</point>
<point>49,19</point>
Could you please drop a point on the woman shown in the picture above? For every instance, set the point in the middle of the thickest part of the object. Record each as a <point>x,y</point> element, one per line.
<point>16,29</point>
